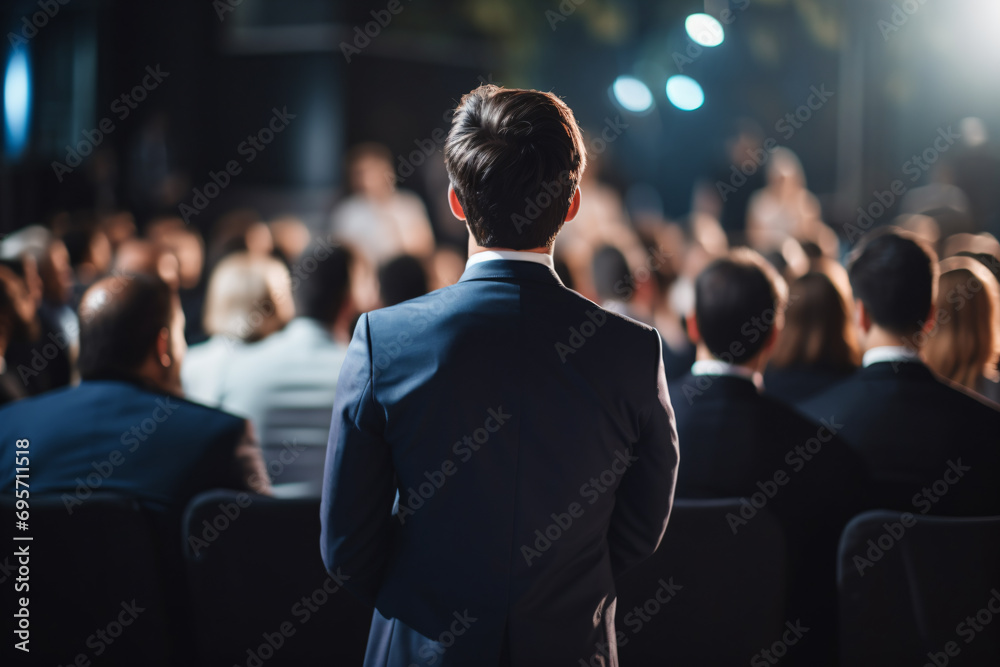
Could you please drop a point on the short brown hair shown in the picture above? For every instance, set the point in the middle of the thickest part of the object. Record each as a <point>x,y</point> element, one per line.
<point>515,158</point>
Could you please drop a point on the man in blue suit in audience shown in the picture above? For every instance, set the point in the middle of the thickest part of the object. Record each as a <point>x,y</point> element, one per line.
<point>125,428</point>
<point>930,446</point>
<point>501,449</point>
<point>738,442</point>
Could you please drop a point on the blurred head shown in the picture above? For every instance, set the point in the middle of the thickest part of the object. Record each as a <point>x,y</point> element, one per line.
<point>401,279</point>
<point>139,256</point>
<point>784,170</point>
<point>818,328</point>
<point>965,342</point>
<point>132,326</point>
<point>611,275</point>
<point>56,272</point>
<point>249,298</point>
<point>369,168</point>
<point>322,281</point>
<point>187,246</point>
<point>514,158</point>
<point>894,278</point>
<point>739,306</point>
<point>291,237</point>
<point>17,310</point>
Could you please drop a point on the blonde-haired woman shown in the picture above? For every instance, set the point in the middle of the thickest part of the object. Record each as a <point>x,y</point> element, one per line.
<point>249,298</point>
<point>965,343</point>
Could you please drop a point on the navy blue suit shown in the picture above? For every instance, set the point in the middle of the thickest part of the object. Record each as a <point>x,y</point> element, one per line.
<point>117,436</point>
<point>529,436</point>
<point>929,447</point>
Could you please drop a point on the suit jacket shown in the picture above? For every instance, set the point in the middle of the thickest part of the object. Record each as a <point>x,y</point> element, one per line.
<point>110,435</point>
<point>737,442</point>
<point>912,430</point>
<point>797,383</point>
<point>530,439</point>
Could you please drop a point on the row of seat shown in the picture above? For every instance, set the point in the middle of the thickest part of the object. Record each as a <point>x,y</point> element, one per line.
<point>258,594</point>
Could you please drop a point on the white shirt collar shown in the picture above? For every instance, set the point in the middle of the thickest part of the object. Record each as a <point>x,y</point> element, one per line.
<point>890,353</point>
<point>517,255</point>
<point>716,367</point>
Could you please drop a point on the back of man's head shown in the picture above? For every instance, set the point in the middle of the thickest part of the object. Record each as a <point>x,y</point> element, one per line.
<point>739,301</point>
<point>121,318</point>
<point>895,276</point>
<point>401,279</point>
<point>610,273</point>
<point>514,158</point>
<point>321,280</point>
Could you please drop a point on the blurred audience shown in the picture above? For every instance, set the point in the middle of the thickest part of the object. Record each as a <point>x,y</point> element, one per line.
<point>249,298</point>
<point>909,427</point>
<point>818,346</point>
<point>964,345</point>
<point>16,311</point>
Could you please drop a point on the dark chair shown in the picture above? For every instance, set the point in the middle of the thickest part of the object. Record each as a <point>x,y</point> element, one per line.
<point>93,584</point>
<point>728,601</point>
<point>294,443</point>
<point>913,590</point>
<point>259,590</point>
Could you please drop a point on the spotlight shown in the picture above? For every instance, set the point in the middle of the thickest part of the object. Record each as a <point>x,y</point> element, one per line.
<point>632,94</point>
<point>684,92</point>
<point>17,101</point>
<point>704,29</point>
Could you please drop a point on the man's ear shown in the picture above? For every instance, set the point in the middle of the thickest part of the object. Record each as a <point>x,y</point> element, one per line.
<point>574,206</point>
<point>692,328</point>
<point>772,338</point>
<point>931,320</point>
<point>163,356</point>
<point>456,206</point>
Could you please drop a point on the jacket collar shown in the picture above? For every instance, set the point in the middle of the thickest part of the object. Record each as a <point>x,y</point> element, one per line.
<point>511,270</point>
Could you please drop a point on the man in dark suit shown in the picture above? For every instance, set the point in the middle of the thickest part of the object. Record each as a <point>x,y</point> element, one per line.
<point>125,428</point>
<point>928,445</point>
<point>502,448</point>
<point>738,442</point>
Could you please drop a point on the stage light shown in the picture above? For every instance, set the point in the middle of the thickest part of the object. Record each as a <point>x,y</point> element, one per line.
<point>632,94</point>
<point>704,29</point>
<point>16,102</point>
<point>684,92</point>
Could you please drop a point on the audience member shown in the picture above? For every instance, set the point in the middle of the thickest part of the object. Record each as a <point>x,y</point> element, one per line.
<point>736,441</point>
<point>910,428</point>
<point>285,384</point>
<point>378,219</point>
<point>249,298</point>
<point>964,344</point>
<point>128,410</point>
<point>401,279</point>
<point>818,346</point>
